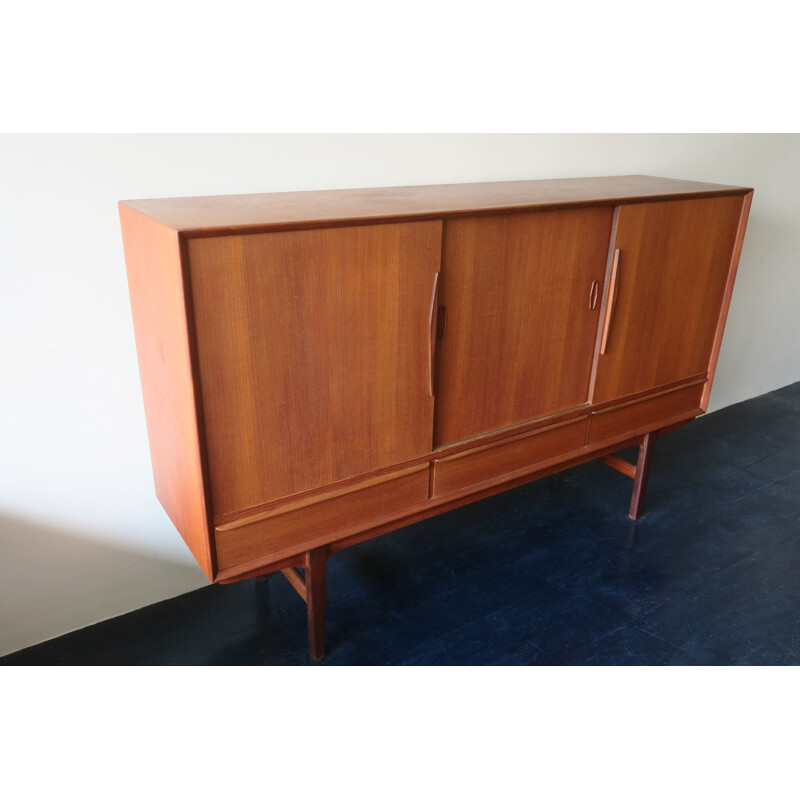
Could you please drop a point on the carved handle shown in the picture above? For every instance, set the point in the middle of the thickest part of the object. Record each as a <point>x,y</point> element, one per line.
<point>593,295</point>
<point>611,302</point>
<point>432,330</point>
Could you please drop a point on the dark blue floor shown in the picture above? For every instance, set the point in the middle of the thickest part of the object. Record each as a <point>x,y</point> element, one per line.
<point>549,573</point>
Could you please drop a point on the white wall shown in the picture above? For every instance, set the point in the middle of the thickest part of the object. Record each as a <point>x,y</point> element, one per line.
<point>82,537</point>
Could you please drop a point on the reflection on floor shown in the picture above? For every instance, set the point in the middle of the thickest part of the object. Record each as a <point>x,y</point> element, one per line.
<point>548,573</point>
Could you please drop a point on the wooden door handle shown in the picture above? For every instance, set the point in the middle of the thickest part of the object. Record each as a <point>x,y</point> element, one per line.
<point>593,295</point>
<point>432,325</point>
<point>611,302</point>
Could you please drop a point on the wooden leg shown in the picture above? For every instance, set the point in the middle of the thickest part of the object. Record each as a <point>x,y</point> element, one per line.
<point>643,464</point>
<point>310,584</point>
<point>640,473</point>
<point>315,583</point>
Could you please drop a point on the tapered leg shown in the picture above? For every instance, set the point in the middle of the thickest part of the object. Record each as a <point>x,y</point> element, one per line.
<point>643,463</point>
<point>316,580</point>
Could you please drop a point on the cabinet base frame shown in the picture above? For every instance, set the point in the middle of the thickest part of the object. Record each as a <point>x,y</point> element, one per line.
<point>640,471</point>
<point>311,583</point>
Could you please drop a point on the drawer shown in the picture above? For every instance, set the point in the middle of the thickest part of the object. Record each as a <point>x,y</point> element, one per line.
<point>647,414</point>
<point>495,462</point>
<point>321,518</point>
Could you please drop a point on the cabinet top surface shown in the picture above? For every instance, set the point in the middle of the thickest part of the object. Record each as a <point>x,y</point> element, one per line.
<point>238,213</point>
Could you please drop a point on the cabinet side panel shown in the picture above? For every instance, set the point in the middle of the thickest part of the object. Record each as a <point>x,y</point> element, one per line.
<point>726,300</point>
<point>155,282</point>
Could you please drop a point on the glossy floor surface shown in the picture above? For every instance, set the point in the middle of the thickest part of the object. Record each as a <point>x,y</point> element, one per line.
<point>549,573</point>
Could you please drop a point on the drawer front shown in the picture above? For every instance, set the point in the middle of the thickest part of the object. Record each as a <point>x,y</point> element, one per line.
<point>645,414</point>
<point>365,506</point>
<point>496,462</point>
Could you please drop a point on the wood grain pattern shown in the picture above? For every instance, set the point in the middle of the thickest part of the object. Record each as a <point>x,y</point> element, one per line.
<point>293,554</point>
<point>296,502</point>
<point>629,417</point>
<point>313,351</point>
<point>304,527</point>
<point>674,265</point>
<point>260,552</point>
<point>198,216</point>
<point>486,463</point>
<point>159,305</point>
<point>311,496</point>
<point>520,335</point>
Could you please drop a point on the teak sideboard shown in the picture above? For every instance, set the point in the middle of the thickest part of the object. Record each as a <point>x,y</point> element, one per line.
<point>322,367</point>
